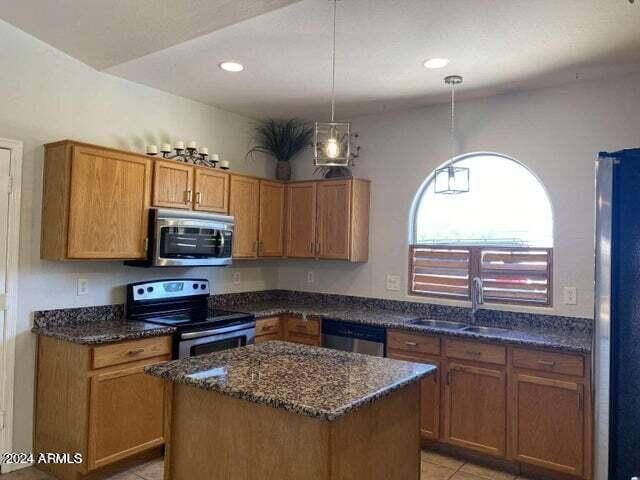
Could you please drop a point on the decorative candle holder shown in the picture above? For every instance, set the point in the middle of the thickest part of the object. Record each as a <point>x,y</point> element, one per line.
<point>191,154</point>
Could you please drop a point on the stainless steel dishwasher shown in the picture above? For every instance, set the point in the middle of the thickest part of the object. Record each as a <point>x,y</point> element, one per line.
<point>353,337</point>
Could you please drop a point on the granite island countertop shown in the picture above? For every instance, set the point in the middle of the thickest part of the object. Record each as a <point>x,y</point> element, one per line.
<point>311,381</point>
<point>568,341</point>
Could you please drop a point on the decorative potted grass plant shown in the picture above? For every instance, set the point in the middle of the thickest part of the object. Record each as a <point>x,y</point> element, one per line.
<point>283,140</point>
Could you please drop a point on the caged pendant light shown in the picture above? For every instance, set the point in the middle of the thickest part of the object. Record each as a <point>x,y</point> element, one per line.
<point>451,179</point>
<point>332,140</point>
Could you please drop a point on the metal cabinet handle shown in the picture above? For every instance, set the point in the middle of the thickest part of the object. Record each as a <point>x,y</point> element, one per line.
<point>198,198</point>
<point>580,402</point>
<point>411,344</point>
<point>475,353</point>
<point>189,196</point>
<point>266,328</point>
<point>135,351</point>
<point>310,246</point>
<point>546,363</point>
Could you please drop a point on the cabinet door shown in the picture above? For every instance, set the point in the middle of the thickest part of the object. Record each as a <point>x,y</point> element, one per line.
<point>172,184</point>
<point>475,408</point>
<point>108,206</point>
<point>301,220</point>
<point>271,235</point>
<point>212,191</point>
<point>334,212</point>
<point>244,205</point>
<point>549,423</point>
<point>126,414</point>
<point>429,395</point>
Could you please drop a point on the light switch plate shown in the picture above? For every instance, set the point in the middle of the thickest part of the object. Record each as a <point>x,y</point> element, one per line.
<point>82,286</point>
<point>236,278</point>
<point>393,283</point>
<point>570,295</point>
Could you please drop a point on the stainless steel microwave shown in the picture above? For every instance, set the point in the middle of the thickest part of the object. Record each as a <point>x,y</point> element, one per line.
<point>180,238</point>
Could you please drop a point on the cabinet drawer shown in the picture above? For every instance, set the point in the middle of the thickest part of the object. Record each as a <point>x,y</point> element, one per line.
<point>267,326</point>
<point>477,352</point>
<point>305,327</point>
<point>412,342</point>
<point>548,362</point>
<point>305,339</point>
<point>118,353</point>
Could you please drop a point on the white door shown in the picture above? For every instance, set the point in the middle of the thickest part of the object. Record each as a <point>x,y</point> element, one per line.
<point>5,362</point>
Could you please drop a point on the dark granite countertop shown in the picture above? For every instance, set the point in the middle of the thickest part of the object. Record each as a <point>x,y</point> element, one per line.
<point>312,381</point>
<point>569,341</point>
<point>101,331</point>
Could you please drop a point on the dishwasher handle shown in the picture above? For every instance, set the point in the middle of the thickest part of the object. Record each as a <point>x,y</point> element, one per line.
<point>354,330</point>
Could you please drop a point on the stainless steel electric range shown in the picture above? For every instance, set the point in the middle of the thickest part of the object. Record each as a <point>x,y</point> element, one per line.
<point>184,304</point>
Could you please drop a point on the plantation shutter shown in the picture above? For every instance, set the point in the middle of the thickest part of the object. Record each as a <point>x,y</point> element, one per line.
<point>516,275</point>
<point>439,271</point>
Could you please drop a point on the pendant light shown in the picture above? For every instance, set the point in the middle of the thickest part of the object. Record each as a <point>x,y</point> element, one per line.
<point>451,179</point>
<point>332,140</point>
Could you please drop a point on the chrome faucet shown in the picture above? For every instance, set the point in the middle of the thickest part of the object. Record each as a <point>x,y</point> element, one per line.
<point>477,297</point>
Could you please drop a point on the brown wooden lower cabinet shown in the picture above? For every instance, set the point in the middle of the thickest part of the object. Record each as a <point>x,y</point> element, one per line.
<point>291,328</point>
<point>520,404</point>
<point>429,394</point>
<point>107,414</point>
<point>476,408</point>
<point>548,423</point>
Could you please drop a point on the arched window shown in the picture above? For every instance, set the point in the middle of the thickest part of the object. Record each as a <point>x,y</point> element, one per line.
<point>500,230</point>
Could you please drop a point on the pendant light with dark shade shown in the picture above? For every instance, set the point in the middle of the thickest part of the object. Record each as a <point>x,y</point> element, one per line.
<point>451,179</point>
<point>332,140</point>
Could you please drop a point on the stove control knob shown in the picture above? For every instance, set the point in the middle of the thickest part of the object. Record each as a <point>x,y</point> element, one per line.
<point>195,286</point>
<point>149,289</point>
<point>140,291</point>
<point>203,286</point>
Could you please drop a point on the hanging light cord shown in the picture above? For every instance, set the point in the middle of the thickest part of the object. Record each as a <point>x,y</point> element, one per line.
<point>333,64</point>
<point>453,117</point>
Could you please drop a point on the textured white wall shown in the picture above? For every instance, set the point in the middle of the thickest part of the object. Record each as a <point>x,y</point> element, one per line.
<point>47,96</point>
<point>556,132</point>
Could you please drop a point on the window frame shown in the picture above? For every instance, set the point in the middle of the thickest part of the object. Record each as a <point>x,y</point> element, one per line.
<point>475,270</point>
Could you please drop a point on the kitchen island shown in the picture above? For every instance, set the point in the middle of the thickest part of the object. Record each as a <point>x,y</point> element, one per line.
<point>292,412</point>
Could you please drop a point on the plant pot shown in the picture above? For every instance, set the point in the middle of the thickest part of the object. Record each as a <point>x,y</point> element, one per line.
<point>283,171</point>
<point>338,172</point>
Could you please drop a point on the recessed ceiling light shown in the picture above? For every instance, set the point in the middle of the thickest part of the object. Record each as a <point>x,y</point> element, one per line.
<point>231,66</point>
<point>436,62</point>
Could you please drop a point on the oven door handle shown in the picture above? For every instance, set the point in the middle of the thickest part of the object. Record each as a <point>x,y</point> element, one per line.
<point>216,331</point>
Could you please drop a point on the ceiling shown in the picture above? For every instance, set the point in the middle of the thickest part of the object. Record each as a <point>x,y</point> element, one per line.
<point>497,45</point>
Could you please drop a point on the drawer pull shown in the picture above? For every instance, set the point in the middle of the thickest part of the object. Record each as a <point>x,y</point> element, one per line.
<point>547,363</point>
<point>475,353</point>
<point>411,344</point>
<point>135,351</point>
<point>266,328</point>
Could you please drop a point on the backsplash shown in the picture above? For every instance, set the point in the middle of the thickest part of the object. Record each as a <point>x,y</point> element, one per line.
<point>487,317</point>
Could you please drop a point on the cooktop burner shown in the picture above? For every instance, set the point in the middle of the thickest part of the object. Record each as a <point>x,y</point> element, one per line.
<point>213,318</point>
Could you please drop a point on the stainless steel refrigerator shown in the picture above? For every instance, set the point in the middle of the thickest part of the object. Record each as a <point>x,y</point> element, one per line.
<point>617,310</point>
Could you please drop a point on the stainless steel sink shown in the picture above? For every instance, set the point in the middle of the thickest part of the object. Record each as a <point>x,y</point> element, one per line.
<point>487,330</point>
<point>443,324</point>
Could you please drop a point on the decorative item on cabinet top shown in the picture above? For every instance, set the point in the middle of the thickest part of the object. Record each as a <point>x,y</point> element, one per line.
<point>191,154</point>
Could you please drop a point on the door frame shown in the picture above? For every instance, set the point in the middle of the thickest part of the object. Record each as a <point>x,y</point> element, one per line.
<point>11,307</point>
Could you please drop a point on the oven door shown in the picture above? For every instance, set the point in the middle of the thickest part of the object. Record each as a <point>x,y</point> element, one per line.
<point>208,341</point>
<point>192,240</point>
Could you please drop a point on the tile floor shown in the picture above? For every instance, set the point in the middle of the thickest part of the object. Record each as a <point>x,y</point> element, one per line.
<point>434,467</point>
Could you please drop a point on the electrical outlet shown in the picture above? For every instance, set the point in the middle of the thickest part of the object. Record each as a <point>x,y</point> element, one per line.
<point>82,286</point>
<point>311,277</point>
<point>393,282</point>
<point>236,278</point>
<point>570,295</point>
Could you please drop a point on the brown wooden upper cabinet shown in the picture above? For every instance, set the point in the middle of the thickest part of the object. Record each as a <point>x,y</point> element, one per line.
<point>95,203</point>
<point>329,219</point>
<point>258,207</point>
<point>301,219</point>
<point>244,206</point>
<point>178,185</point>
<point>271,230</point>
